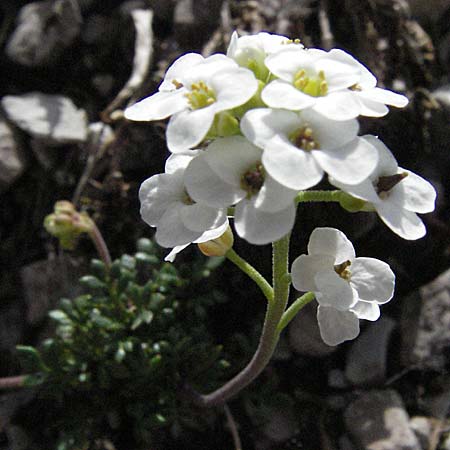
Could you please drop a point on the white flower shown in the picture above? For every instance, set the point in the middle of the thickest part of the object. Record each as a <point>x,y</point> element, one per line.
<point>251,51</point>
<point>395,193</point>
<point>373,100</point>
<point>312,79</point>
<point>347,288</point>
<point>166,205</point>
<point>193,91</point>
<point>299,147</point>
<point>230,172</point>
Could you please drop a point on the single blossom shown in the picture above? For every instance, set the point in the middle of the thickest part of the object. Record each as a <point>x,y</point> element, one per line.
<point>166,205</point>
<point>300,147</point>
<point>372,99</point>
<point>193,91</point>
<point>251,50</point>
<point>229,173</point>
<point>396,194</point>
<point>312,79</point>
<point>347,288</point>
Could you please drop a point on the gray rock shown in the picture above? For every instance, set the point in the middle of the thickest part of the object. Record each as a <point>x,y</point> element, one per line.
<point>43,31</point>
<point>423,429</point>
<point>281,426</point>
<point>52,118</point>
<point>425,325</point>
<point>45,282</point>
<point>304,334</point>
<point>12,157</point>
<point>377,420</point>
<point>366,360</point>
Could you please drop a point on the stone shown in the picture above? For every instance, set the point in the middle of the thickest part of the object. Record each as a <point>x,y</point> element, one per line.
<point>52,118</point>
<point>377,420</point>
<point>423,429</point>
<point>281,425</point>
<point>12,157</point>
<point>425,325</point>
<point>45,282</point>
<point>304,334</point>
<point>43,31</point>
<point>366,360</point>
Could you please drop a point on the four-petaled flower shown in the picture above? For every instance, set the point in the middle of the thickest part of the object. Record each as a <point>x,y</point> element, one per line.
<point>347,288</point>
<point>194,90</point>
<point>395,193</point>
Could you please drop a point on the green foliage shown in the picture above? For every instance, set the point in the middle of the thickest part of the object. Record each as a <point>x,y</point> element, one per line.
<point>123,352</point>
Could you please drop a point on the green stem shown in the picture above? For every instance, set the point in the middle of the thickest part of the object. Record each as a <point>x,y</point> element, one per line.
<point>263,284</point>
<point>12,382</point>
<point>269,336</point>
<point>296,306</point>
<point>318,196</point>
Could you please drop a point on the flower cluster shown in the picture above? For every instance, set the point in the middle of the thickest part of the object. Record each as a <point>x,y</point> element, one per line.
<point>249,129</point>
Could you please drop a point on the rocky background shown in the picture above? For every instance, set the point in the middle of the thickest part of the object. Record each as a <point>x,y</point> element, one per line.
<point>69,67</point>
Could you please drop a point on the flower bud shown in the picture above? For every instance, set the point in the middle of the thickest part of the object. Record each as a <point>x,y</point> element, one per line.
<point>218,246</point>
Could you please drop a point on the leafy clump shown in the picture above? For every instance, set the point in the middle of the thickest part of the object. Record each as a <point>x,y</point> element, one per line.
<point>123,353</point>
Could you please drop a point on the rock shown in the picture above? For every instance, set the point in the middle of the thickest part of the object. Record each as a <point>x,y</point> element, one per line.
<point>52,118</point>
<point>12,326</point>
<point>304,334</point>
<point>377,420</point>
<point>366,360</point>
<point>423,429</point>
<point>43,31</point>
<point>425,325</point>
<point>45,282</point>
<point>281,426</point>
<point>12,157</point>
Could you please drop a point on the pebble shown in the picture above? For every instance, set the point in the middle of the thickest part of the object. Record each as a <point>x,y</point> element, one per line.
<point>377,420</point>
<point>52,118</point>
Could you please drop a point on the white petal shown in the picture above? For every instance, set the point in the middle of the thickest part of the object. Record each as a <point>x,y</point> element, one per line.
<point>413,193</point>
<point>373,279</point>
<point>273,196</point>
<point>351,163</point>
<point>366,310</point>
<point>289,165</point>
<point>233,87</point>
<point>158,106</point>
<point>402,222</point>
<point>364,190</point>
<point>337,326</point>
<point>369,108</point>
<point>287,63</point>
<point>187,129</point>
<point>279,94</point>
<point>157,194</point>
<point>305,267</point>
<point>171,231</point>
<point>332,242</point>
<point>338,75</point>
<point>334,290</point>
<point>231,157</point>
<point>384,96</point>
<point>340,105</point>
<point>204,185</point>
<point>259,125</point>
<point>178,69</point>
<point>329,133</point>
<point>259,227</point>
<point>179,161</point>
<point>174,252</point>
<point>200,217</point>
<point>387,164</point>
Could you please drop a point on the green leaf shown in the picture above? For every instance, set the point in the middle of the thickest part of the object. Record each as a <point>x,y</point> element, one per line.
<point>92,282</point>
<point>31,359</point>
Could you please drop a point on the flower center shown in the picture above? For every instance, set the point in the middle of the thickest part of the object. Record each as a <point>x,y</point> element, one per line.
<point>316,86</point>
<point>253,179</point>
<point>303,138</point>
<point>386,183</point>
<point>343,270</point>
<point>200,96</point>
